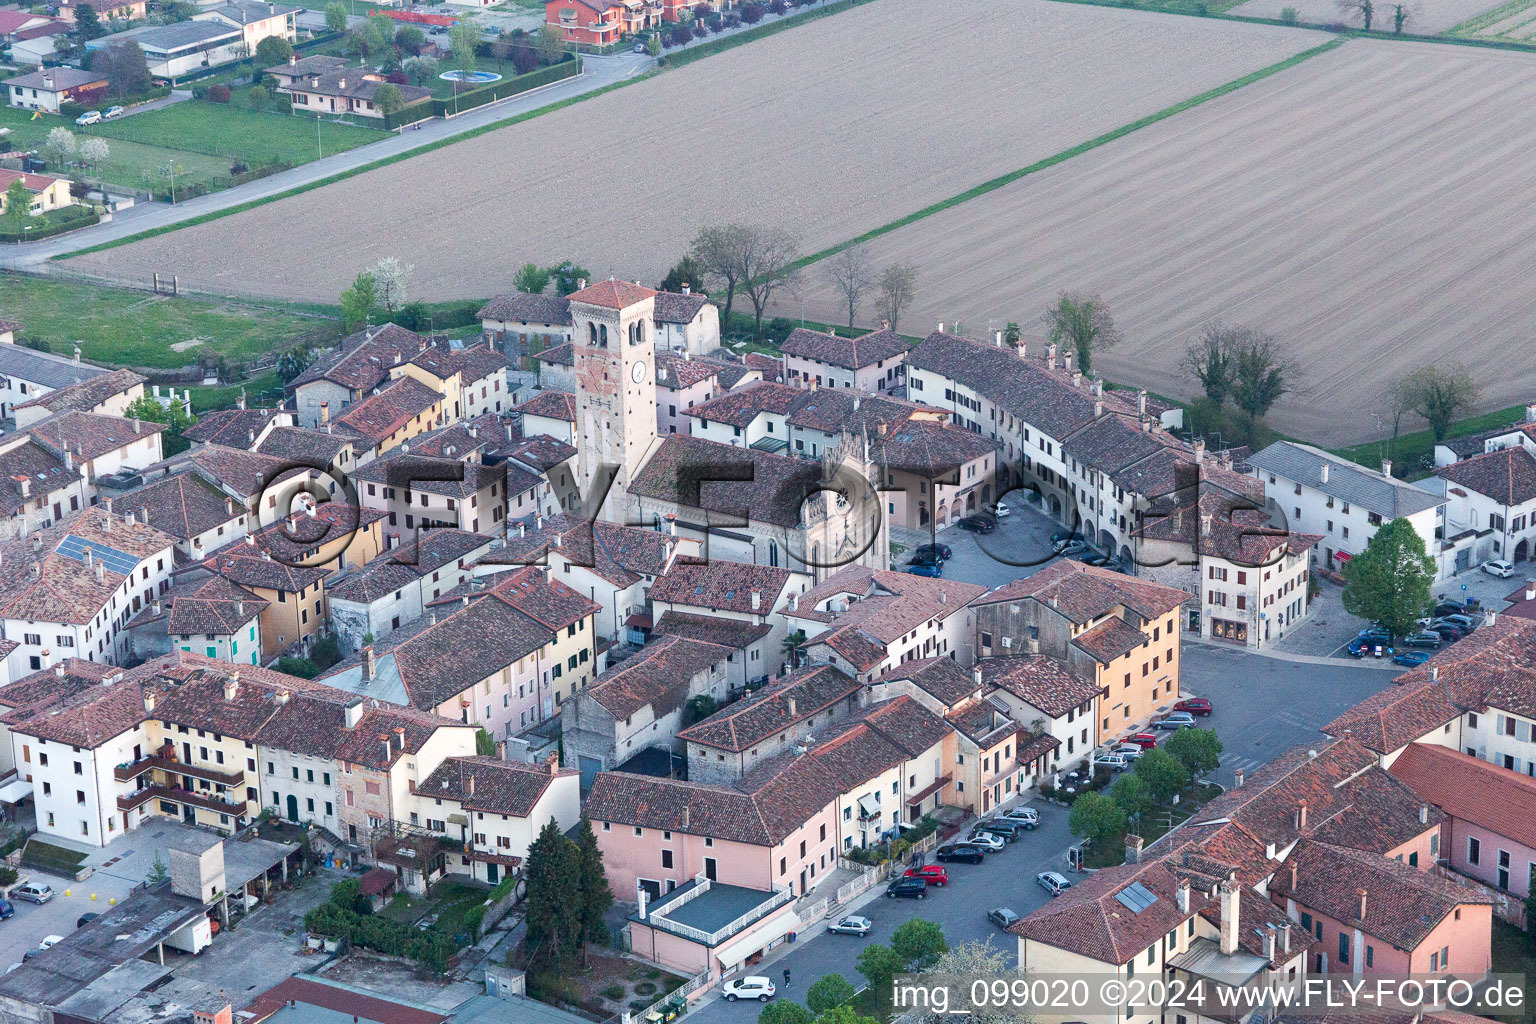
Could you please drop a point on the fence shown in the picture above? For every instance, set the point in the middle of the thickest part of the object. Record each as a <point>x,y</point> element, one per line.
<point>684,991</point>
<point>871,876</point>
<point>467,101</point>
<point>58,227</point>
<point>1506,907</point>
<point>169,284</point>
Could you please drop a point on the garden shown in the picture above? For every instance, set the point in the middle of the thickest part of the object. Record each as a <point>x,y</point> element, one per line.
<point>238,134</point>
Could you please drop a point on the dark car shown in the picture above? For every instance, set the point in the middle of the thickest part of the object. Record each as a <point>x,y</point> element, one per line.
<point>6,910</point>
<point>1367,642</point>
<point>1449,608</point>
<point>927,557</point>
<point>1444,626</point>
<point>925,550</point>
<point>977,524</point>
<point>935,571</point>
<point>1411,659</point>
<point>1003,917</point>
<point>1423,638</point>
<point>1195,706</point>
<point>961,853</point>
<point>86,919</point>
<point>998,827</point>
<point>908,889</point>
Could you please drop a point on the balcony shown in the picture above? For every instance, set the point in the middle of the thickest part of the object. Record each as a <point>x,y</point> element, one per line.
<point>132,770</point>
<point>156,791</point>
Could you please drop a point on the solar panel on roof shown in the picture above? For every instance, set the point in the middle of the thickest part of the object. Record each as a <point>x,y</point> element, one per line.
<point>1137,897</point>
<point>117,561</point>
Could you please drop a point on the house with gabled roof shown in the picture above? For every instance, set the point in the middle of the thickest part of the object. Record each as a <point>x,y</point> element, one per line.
<point>109,394</point>
<point>209,616</point>
<point>748,595</point>
<point>396,588</point>
<point>100,445</point>
<point>1494,495</point>
<point>38,486</point>
<point>872,362</point>
<point>362,362</point>
<point>196,513</point>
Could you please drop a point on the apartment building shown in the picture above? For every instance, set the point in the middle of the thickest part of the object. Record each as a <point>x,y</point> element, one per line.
<point>740,604</point>
<point>873,362</point>
<point>414,492</point>
<point>1494,495</point>
<point>37,487</point>
<point>396,588</point>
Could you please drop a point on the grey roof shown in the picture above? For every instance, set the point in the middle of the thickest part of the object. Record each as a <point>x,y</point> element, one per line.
<point>171,37</point>
<point>247,11</point>
<point>44,368</point>
<point>715,908</point>
<point>1350,481</point>
<point>62,78</point>
<point>485,1009</point>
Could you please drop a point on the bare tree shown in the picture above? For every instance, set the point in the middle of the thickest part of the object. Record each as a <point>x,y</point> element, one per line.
<point>898,287</point>
<point>850,274</point>
<point>1400,15</point>
<point>765,265</point>
<point>1366,9</point>
<point>1083,321</point>
<point>1440,394</point>
<point>1208,359</point>
<point>717,250</point>
<point>1401,398</point>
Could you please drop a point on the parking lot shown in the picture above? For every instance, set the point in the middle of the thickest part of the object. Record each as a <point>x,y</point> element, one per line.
<point>1020,545</point>
<point>33,922</point>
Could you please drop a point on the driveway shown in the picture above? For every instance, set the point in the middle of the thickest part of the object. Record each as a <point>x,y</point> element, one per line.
<point>58,916</point>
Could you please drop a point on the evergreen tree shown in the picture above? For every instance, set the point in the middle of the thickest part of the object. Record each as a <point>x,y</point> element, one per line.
<point>596,896</point>
<point>554,918</point>
<point>87,22</point>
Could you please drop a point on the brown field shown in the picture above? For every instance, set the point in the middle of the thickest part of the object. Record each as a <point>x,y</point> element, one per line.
<point>1425,17</point>
<point>828,129</point>
<point>1370,207</point>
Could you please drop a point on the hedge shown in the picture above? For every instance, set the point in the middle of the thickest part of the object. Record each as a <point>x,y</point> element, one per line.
<point>429,948</point>
<point>568,68</point>
<point>76,109</point>
<point>56,227</point>
<point>698,51</point>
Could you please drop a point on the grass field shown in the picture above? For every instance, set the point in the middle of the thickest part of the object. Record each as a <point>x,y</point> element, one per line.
<point>1361,207</point>
<point>131,165</point>
<point>857,138</point>
<point>230,132</point>
<point>113,325</point>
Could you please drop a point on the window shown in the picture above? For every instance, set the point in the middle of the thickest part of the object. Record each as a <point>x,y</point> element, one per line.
<point>1344,948</point>
<point>666,858</point>
<point>1370,956</point>
<point>1474,850</point>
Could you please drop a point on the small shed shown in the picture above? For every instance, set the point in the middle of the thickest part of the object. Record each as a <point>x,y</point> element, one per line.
<point>379,886</point>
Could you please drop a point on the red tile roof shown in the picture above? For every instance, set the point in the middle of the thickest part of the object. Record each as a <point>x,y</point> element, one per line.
<point>613,294</point>
<point>1042,682</point>
<point>658,677</point>
<point>342,1001</point>
<point>492,785</point>
<point>1085,592</point>
<point>849,353</point>
<point>1471,789</point>
<point>721,586</point>
<point>776,707</point>
<point>1508,475</point>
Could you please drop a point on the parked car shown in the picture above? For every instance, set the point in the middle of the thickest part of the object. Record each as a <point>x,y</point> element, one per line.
<point>1200,706</point>
<point>1374,641</point>
<point>89,117</point>
<point>1175,720</point>
<point>977,524</point>
<point>1498,567</point>
<point>1423,638</point>
<point>49,941</point>
<point>1062,536</point>
<point>85,919</point>
<point>935,571</point>
<point>1450,608</point>
<point>989,841</point>
<point>933,874</point>
<point>1026,816</point>
<point>1449,631</point>
<point>1076,549</point>
<point>907,889</point>
<point>1001,511</point>
<point>1114,762</point>
<point>964,853</point>
<point>859,926</point>
<point>927,557</point>
<point>112,112</point>
<point>1053,882</point>
<point>1410,658</point>
<point>1144,740</point>
<point>941,550</point>
<point>754,986</point>
<point>1465,621</point>
<point>1002,917</point>
<point>6,910</point>
<point>36,892</point>
<point>639,47</point>
<point>1009,830</point>
<point>1129,751</point>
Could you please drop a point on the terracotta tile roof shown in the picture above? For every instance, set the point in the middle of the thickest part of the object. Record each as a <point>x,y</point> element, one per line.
<point>1043,682</point>
<point>86,395</point>
<point>621,555</point>
<point>928,448</point>
<point>249,564</point>
<point>740,407</point>
<point>183,506</point>
<point>212,606</point>
<point>492,785</point>
<point>405,565</point>
<point>657,677</point>
<point>1402,904</point>
<point>695,473</point>
<point>849,353</point>
<point>712,629</point>
<point>392,407</point>
<point>235,427</point>
<point>442,360</point>
<point>1088,920</point>
<point>1222,522</point>
<point>53,685</point>
<point>365,358</point>
<point>542,452</point>
<point>548,602</point>
<point>691,808</point>
<point>676,308</point>
<point>90,435</point>
<point>939,677</point>
<point>557,355</point>
<point>47,577</point>
<point>302,446</point>
<point>721,586</point>
<point>554,405</point>
<point>829,410</point>
<point>881,607</point>
<point>342,1002</point>
<point>901,722</point>
<point>87,718</point>
<point>613,294</point>
<point>1508,476</point>
<point>775,708</point>
<point>1471,789</point>
<point>244,473</point>
<point>982,723</point>
<point>1113,638</point>
<point>42,471</point>
<point>404,468</point>
<point>298,539</point>
<point>1085,592</point>
<point>522,307</point>
<point>677,372</point>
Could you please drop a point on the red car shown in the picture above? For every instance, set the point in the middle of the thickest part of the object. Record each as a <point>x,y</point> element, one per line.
<point>1195,706</point>
<point>1144,740</point>
<point>933,874</point>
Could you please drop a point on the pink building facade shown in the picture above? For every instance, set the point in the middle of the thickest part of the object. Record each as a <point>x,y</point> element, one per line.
<point>1458,945</point>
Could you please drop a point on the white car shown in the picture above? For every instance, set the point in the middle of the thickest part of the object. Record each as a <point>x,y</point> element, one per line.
<point>50,941</point>
<point>1498,567</point>
<point>859,926</point>
<point>987,841</point>
<point>1026,816</point>
<point>1053,882</point>
<point>1002,511</point>
<point>1114,762</point>
<point>754,986</point>
<point>89,117</point>
<point>112,112</point>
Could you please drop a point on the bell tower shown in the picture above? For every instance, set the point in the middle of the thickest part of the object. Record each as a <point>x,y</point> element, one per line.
<point>614,338</point>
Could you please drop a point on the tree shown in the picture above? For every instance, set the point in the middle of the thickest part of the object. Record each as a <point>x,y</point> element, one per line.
<point>1365,8</point>
<point>879,964</point>
<point>1198,750</point>
<point>357,302</point>
<point>1130,795</point>
<point>410,39</point>
<point>1162,773</point>
<point>388,98</point>
<point>596,896</point>
<point>1389,582</point>
<point>568,276</point>
<point>531,278</point>
<point>392,281</point>
<point>898,287</point>
<point>767,265</point>
<point>828,991</point>
<point>1400,399</point>
<point>849,273</point>
<point>844,1014</point>
<point>18,205</point>
<point>87,22</point>
<point>272,51</point>
<point>485,744</point>
<point>551,45</point>
<point>791,647</point>
<point>966,963</point>
<point>257,97</point>
<point>1439,394</point>
<point>553,919</point>
<point>687,271</point>
<point>158,872</point>
<point>1096,818</point>
<point>700,707</point>
<point>1012,333</point>
<point>126,69</point>
<point>293,362</point>
<point>1208,359</point>
<point>1400,15</point>
<point>59,146</point>
<point>462,39</point>
<point>918,943</point>
<point>1084,322</point>
<point>715,249</point>
<point>335,17</point>
<point>653,45</point>
<point>1261,374</point>
<point>176,417</point>
<point>784,1011</point>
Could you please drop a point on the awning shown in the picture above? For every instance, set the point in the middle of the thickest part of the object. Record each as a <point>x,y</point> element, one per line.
<point>869,807</point>
<point>15,792</point>
<point>1342,556</point>
<point>755,938</point>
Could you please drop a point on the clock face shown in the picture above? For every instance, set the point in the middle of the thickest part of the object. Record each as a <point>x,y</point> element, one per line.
<point>638,373</point>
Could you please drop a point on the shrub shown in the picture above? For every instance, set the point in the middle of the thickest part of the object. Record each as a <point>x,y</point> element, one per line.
<point>752,13</point>
<point>699,31</point>
<point>1289,15</point>
<point>218,93</point>
<point>237,168</point>
<point>645,988</point>
<point>778,7</point>
<point>1201,8</point>
<point>614,992</point>
<point>779,327</point>
<point>473,918</point>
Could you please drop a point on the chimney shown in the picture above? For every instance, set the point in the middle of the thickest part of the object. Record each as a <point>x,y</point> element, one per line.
<point>1181,895</point>
<point>25,484</point>
<point>976,673</point>
<point>353,713</point>
<point>1434,673</point>
<point>1132,848</point>
<point>1301,816</point>
<point>1237,782</point>
<point>1285,937</point>
<point>101,571</point>
<point>1269,851</point>
<point>581,283</point>
<point>1199,447</point>
<point>1293,876</point>
<point>1229,904</point>
<point>293,58</point>
<point>793,603</point>
<point>58,669</point>
<point>790,703</point>
<point>1050,356</point>
<point>522,528</point>
<point>281,697</point>
<point>997,338</point>
<point>325,412</point>
<point>1530,414</point>
<point>640,889</point>
<point>1269,943</point>
<point>1423,814</point>
<point>1322,474</point>
<point>155,606</point>
<point>1066,364</point>
<point>687,289</point>
<point>1530,590</point>
<point>559,540</point>
<point>941,326</point>
<point>1098,409</point>
<point>1077,377</point>
<point>538,521</point>
<point>686,816</point>
<point>149,702</point>
<point>232,686</point>
<point>1141,402</point>
<point>1032,645</point>
<point>1205,525</point>
<point>400,736</point>
<point>757,600</point>
<point>671,524</point>
<point>469,784</point>
<point>1386,467</point>
<point>387,753</point>
<point>1361,894</point>
<point>368,661</point>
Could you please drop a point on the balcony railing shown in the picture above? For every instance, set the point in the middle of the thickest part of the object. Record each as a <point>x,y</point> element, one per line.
<point>157,791</point>
<point>128,772</point>
<point>781,895</point>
